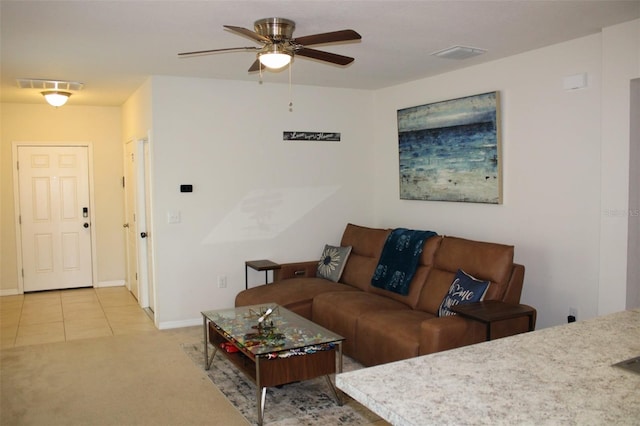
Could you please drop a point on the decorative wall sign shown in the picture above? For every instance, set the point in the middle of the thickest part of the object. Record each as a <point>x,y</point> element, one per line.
<point>450,150</point>
<point>311,136</point>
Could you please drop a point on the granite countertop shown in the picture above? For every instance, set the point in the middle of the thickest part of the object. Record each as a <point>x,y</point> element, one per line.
<point>555,376</point>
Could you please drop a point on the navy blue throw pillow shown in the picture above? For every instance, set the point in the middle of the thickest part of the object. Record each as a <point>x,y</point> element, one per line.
<point>464,289</point>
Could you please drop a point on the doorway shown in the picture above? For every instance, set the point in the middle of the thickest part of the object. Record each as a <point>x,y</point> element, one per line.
<point>54,216</point>
<point>138,224</point>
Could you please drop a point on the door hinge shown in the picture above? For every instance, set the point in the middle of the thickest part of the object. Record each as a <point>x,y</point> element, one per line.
<point>19,219</point>
<point>17,165</point>
<point>123,181</point>
<point>22,271</point>
<point>136,276</point>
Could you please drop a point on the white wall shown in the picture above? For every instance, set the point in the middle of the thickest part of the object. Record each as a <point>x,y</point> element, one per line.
<point>137,114</point>
<point>566,169</point>
<point>633,258</point>
<point>254,195</point>
<point>621,64</point>
<point>551,171</point>
<point>100,126</point>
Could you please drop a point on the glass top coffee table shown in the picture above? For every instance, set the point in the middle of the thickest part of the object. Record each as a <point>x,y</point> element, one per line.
<point>272,346</point>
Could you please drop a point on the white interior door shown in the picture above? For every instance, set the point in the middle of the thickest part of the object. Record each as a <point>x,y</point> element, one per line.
<point>139,266</point>
<point>55,222</point>
<point>131,225</point>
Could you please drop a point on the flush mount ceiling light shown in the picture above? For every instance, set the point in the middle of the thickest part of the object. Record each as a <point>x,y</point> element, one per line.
<point>275,56</point>
<point>55,92</point>
<point>56,98</point>
<point>459,52</point>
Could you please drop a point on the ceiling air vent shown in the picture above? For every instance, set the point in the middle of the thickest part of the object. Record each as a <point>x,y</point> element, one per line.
<point>459,52</point>
<point>27,83</point>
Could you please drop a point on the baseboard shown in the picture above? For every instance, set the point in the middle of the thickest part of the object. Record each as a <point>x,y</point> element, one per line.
<point>179,324</point>
<point>115,283</point>
<point>101,284</point>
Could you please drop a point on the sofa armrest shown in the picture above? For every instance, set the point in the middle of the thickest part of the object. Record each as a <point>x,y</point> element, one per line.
<point>306,269</point>
<point>514,286</point>
<point>450,332</point>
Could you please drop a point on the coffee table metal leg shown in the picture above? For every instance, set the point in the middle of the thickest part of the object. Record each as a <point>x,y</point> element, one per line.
<point>206,343</point>
<point>335,390</point>
<point>207,360</point>
<point>261,394</point>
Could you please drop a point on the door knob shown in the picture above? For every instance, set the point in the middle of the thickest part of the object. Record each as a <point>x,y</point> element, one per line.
<point>126,225</point>
<point>86,225</point>
<point>143,234</point>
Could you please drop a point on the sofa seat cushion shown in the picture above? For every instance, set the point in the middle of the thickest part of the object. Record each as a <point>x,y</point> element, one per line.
<point>294,294</point>
<point>340,314</point>
<point>387,336</point>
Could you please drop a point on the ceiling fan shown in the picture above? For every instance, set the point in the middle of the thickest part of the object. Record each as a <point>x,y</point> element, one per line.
<point>279,46</point>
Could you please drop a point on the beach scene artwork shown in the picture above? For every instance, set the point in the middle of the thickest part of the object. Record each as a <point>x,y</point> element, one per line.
<point>450,150</point>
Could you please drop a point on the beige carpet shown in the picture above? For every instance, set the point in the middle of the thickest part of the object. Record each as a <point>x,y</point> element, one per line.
<point>137,379</point>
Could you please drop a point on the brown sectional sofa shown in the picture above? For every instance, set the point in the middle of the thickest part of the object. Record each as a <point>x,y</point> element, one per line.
<point>381,326</point>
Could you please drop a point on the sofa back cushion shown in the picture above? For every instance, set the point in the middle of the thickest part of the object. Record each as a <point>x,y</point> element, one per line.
<point>366,247</point>
<point>425,264</point>
<point>485,261</point>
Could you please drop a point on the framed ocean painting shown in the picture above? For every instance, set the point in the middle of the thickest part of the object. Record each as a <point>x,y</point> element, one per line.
<point>450,150</point>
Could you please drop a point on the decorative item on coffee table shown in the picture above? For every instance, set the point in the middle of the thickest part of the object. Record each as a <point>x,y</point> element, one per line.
<point>266,332</point>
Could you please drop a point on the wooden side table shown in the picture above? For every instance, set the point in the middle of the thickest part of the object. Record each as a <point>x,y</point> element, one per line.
<point>491,311</point>
<point>259,265</point>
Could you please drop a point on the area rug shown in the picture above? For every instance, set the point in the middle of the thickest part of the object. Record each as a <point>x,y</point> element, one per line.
<point>303,403</point>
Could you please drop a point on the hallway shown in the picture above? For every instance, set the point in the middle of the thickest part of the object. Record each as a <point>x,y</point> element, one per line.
<point>64,315</point>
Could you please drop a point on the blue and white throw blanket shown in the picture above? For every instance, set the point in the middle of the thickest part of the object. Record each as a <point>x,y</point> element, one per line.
<point>399,260</point>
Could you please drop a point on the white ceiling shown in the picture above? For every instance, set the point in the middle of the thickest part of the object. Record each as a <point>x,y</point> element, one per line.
<point>112,46</point>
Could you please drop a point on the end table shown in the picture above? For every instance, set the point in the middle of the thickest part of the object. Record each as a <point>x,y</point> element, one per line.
<point>491,311</point>
<point>259,265</point>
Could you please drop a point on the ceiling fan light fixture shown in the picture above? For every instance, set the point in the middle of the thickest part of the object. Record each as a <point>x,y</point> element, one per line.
<point>56,98</point>
<point>274,60</point>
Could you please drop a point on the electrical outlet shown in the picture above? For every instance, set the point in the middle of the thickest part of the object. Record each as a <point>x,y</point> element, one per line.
<point>222,281</point>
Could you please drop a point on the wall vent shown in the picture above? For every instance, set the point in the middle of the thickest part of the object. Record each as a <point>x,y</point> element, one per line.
<point>459,52</point>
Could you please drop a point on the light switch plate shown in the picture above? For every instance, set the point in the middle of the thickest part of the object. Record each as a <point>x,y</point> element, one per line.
<point>173,216</point>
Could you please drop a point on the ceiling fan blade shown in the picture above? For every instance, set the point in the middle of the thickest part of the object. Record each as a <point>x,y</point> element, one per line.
<point>332,37</point>
<point>325,56</point>
<point>229,49</point>
<point>251,34</point>
<point>256,66</point>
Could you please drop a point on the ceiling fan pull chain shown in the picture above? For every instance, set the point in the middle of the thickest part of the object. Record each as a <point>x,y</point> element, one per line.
<point>290,95</point>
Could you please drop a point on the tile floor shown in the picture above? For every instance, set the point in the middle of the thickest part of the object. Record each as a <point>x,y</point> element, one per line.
<point>62,315</point>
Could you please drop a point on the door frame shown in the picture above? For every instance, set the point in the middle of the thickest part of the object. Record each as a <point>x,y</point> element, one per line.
<point>142,210</point>
<point>146,182</point>
<point>16,205</point>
